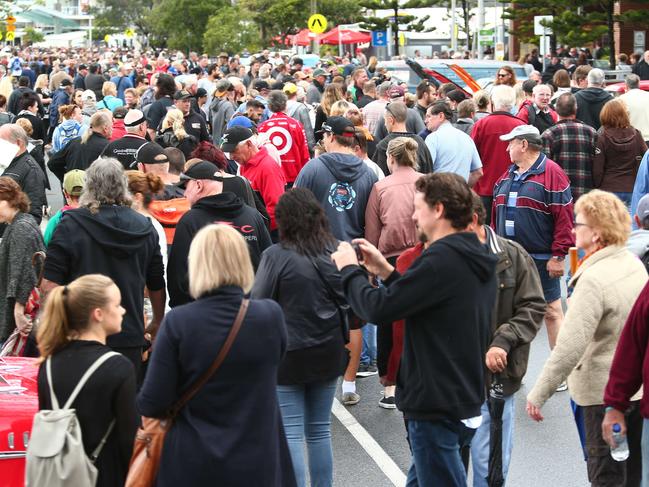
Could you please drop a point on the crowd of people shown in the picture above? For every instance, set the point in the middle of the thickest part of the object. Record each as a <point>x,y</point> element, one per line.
<point>358,229</point>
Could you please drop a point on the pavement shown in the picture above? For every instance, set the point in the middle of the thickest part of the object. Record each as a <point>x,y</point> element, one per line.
<point>545,454</point>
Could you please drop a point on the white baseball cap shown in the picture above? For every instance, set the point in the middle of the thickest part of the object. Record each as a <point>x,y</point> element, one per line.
<point>523,132</point>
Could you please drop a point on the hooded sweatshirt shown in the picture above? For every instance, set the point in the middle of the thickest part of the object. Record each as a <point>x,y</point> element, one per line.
<point>117,242</point>
<point>589,104</point>
<point>638,242</point>
<point>447,298</point>
<point>65,132</point>
<point>617,157</point>
<point>226,208</point>
<point>342,184</point>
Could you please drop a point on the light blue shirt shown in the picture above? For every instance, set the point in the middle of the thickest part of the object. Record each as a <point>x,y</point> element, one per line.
<point>453,151</point>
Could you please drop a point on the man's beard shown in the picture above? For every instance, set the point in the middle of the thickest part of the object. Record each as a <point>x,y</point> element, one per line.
<point>422,237</point>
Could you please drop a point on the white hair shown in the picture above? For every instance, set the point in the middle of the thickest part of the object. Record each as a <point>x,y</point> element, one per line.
<point>503,98</point>
<point>596,77</point>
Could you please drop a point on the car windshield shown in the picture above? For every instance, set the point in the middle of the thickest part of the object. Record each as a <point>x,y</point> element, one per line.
<point>482,74</point>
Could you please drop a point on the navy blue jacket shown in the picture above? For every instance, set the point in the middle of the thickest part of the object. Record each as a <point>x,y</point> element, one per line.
<point>59,98</point>
<point>231,432</point>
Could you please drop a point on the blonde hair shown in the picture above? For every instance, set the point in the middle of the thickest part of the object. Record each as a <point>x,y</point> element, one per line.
<point>101,119</point>
<point>109,88</point>
<point>68,309</point>
<point>606,213</point>
<point>26,126</point>
<point>332,93</point>
<point>339,108</point>
<point>218,256</point>
<point>404,152</point>
<point>41,81</point>
<point>176,120</point>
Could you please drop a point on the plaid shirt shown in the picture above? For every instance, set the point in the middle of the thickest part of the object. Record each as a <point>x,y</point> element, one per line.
<point>571,144</point>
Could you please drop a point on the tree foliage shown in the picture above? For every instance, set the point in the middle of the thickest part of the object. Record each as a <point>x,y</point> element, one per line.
<point>181,24</point>
<point>32,35</point>
<point>112,16</point>
<point>226,31</point>
<point>398,21</point>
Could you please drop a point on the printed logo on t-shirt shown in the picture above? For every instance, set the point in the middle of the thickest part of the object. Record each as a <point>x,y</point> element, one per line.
<point>280,138</point>
<point>342,196</point>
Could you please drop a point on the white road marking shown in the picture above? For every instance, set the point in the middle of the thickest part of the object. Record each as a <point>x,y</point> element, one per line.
<point>369,444</point>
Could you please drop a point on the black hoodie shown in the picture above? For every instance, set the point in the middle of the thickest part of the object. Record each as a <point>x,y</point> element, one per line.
<point>117,242</point>
<point>225,208</point>
<point>446,298</point>
<point>590,102</point>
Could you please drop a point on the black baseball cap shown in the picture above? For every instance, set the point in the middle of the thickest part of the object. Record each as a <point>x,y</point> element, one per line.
<point>150,153</point>
<point>339,126</point>
<point>233,136</point>
<point>65,82</point>
<point>200,170</point>
<point>182,95</point>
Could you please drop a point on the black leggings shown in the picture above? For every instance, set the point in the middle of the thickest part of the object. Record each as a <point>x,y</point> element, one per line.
<point>384,339</point>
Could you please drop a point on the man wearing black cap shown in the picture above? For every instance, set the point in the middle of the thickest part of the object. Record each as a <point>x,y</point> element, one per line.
<point>194,123</point>
<point>263,88</point>
<point>125,148</point>
<point>265,175</point>
<point>209,204</point>
<point>221,108</point>
<point>316,89</point>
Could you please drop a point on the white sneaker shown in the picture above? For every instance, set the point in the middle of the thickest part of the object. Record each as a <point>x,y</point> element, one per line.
<point>350,398</point>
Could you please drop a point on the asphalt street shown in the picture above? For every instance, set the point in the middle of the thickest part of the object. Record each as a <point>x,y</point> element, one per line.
<point>545,454</point>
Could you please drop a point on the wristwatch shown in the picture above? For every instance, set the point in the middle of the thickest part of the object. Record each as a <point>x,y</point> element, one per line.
<point>560,258</point>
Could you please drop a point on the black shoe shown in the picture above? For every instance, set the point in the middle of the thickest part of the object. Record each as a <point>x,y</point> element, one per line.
<point>366,370</point>
<point>388,403</point>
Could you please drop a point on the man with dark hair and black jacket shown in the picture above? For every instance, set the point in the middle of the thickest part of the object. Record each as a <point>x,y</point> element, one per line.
<point>204,190</point>
<point>518,315</point>
<point>447,298</point>
<point>13,105</point>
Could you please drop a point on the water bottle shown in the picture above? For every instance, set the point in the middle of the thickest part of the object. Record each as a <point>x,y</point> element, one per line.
<point>621,450</point>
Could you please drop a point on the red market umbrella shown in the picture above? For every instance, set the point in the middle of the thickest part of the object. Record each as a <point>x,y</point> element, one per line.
<point>302,38</point>
<point>345,36</point>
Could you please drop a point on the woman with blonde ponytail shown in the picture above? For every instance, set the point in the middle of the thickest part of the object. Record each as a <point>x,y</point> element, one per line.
<point>173,133</point>
<point>389,227</point>
<point>72,335</point>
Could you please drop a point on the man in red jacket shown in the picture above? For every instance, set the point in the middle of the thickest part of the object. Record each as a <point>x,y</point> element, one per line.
<point>287,135</point>
<point>493,151</point>
<point>629,371</point>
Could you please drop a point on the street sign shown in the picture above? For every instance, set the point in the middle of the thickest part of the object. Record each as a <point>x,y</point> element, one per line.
<point>317,23</point>
<point>639,41</point>
<point>11,27</point>
<point>107,38</point>
<point>540,30</point>
<point>129,33</point>
<point>10,19</point>
<point>379,38</point>
<point>10,36</point>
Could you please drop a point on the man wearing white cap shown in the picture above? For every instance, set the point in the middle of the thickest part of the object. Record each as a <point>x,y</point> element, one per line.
<point>533,206</point>
<point>125,148</point>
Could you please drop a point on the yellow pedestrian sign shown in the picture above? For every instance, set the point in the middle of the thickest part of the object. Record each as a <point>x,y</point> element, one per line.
<point>10,36</point>
<point>317,23</point>
<point>129,33</point>
<point>107,38</point>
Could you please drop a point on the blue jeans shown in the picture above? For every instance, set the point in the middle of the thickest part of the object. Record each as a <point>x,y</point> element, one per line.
<point>480,443</point>
<point>626,199</point>
<point>645,452</point>
<point>306,412</point>
<point>368,354</point>
<point>436,459</point>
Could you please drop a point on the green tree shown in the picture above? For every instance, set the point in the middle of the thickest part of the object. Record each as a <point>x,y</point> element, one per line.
<point>32,35</point>
<point>398,21</point>
<point>226,31</point>
<point>112,16</point>
<point>181,24</point>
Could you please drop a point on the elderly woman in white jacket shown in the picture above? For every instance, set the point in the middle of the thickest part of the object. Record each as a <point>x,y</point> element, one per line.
<point>606,284</point>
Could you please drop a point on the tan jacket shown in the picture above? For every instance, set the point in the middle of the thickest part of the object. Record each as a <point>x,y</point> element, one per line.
<point>606,286</point>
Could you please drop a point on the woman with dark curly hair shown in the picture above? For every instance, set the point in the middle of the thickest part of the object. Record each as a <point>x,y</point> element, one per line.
<point>298,273</point>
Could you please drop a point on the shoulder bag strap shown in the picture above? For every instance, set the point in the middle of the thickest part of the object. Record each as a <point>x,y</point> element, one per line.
<point>186,397</point>
<point>48,371</point>
<point>39,255</point>
<point>84,378</point>
<point>95,453</point>
<point>330,290</point>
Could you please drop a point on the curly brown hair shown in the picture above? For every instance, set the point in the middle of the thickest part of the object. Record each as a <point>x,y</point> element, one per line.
<point>11,193</point>
<point>452,192</point>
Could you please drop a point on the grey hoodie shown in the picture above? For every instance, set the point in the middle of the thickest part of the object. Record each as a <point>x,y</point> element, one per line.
<point>342,184</point>
<point>638,243</point>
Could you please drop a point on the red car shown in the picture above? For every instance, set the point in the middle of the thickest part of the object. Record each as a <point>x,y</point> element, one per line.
<point>18,404</point>
<point>620,88</point>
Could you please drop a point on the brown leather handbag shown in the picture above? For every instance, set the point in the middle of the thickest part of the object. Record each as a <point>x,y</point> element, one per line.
<point>150,437</point>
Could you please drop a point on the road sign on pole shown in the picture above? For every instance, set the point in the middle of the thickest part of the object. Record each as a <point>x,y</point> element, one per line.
<point>317,23</point>
<point>379,38</point>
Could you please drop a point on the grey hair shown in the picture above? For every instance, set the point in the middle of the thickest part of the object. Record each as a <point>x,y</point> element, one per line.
<point>503,98</point>
<point>106,184</point>
<point>632,81</point>
<point>596,77</point>
<point>100,119</point>
<point>383,88</point>
<point>277,101</point>
<point>15,133</point>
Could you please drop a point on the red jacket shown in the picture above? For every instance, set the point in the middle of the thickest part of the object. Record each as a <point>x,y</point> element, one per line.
<point>404,261</point>
<point>267,179</point>
<point>492,150</point>
<point>287,135</point>
<point>119,130</point>
<point>630,367</point>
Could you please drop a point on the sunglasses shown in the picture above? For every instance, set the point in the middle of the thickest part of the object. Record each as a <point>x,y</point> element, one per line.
<point>503,75</point>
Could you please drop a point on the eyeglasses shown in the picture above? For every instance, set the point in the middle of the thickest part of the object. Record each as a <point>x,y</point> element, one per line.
<point>576,224</point>
<point>503,75</point>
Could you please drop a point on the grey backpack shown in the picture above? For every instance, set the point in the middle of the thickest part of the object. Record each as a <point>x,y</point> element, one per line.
<point>55,454</point>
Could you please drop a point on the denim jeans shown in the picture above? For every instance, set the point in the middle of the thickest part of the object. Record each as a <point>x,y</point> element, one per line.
<point>436,459</point>
<point>645,452</point>
<point>306,413</point>
<point>626,199</point>
<point>480,443</point>
<point>368,354</point>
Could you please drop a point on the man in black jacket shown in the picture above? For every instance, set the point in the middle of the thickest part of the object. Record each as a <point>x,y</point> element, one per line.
<point>82,151</point>
<point>591,100</point>
<point>204,190</point>
<point>13,105</point>
<point>24,169</point>
<point>446,298</point>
